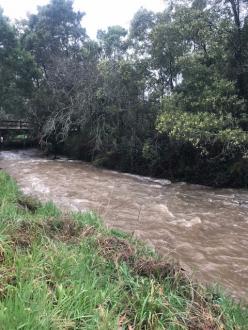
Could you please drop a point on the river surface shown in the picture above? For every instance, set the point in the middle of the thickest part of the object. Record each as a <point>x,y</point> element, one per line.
<point>205,229</point>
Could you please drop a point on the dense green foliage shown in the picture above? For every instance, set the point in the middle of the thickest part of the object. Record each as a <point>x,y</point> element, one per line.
<point>69,272</point>
<point>167,98</point>
<point>17,69</point>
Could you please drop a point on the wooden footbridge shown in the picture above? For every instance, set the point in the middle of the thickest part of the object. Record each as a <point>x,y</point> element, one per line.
<point>15,125</point>
<point>15,133</point>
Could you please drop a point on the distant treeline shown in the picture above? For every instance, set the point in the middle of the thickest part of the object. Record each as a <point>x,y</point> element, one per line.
<point>168,98</point>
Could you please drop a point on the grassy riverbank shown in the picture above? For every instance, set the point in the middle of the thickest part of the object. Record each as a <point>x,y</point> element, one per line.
<point>69,272</point>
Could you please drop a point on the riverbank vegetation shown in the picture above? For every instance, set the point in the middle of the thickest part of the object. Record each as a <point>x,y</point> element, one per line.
<point>67,271</point>
<point>166,98</point>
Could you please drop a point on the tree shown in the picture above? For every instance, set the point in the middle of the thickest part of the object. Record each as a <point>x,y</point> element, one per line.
<point>65,56</point>
<point>54,31</point>
<point>112,42</point>
<point>167,48</point>
<point>17,70</point>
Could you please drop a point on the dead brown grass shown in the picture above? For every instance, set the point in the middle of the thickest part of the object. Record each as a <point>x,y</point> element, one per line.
<point>2,254</point>
<point>116,249</point>
<point>66,229</point>
<point>119,250</point>
<point>7,277</point>
<point>28,203</point>
<point>158,269</point>
<point>23,236</point>
<point>202,317</point>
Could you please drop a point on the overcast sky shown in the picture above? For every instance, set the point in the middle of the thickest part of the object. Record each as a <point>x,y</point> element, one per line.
<point>99,13</point>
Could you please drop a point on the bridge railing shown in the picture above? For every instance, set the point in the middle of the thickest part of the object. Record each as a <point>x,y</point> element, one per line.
<point>14,124</point>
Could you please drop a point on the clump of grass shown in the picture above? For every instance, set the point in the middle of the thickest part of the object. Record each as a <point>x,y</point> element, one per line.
<point>69,272</point>
<point>29,203</point>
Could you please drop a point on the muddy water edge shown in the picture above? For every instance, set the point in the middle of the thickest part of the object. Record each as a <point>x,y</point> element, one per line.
<point>205,229</point>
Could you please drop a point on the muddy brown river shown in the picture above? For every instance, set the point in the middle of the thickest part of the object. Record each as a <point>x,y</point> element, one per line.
<point>205,229</point>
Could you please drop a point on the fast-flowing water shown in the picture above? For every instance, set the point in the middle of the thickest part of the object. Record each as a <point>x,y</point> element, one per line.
<point>205,229</point>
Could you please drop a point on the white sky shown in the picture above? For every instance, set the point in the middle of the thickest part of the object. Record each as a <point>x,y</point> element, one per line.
<point>99,13</point>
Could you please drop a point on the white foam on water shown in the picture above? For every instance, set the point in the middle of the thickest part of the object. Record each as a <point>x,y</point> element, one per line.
<point>145,179</point>
<point>164,208</point>
<point>38,186</point>
<point>187,223</point>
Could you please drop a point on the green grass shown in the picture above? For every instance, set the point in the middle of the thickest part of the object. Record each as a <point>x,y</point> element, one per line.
<point>69,272</point>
